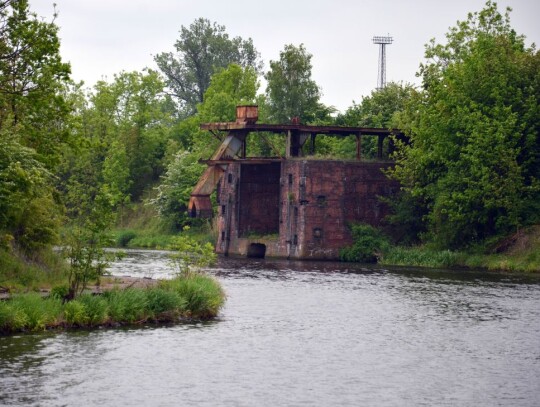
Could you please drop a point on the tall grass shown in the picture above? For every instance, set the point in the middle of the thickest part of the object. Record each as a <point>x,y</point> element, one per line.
<point>18,272</point>
<point>203,294</point>
<point>29,312</point>
<point>420,256</point>
<point>193,295</point>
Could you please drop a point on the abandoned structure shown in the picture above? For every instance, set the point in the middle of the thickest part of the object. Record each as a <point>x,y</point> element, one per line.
<point>292,206</point>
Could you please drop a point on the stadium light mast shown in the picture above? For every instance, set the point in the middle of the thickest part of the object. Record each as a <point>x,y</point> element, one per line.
<point>382,42</point>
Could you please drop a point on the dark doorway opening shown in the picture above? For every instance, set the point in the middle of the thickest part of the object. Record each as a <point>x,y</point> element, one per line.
<point>256,250</point>
<point>259,205</point>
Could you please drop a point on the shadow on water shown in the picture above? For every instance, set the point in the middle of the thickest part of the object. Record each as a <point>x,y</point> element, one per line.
<point>280,269</point>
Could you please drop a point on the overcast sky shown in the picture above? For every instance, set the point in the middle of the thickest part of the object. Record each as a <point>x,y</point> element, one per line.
<point>104,37</point>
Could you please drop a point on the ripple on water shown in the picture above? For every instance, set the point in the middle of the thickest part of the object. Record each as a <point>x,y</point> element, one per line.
<point>295,334</point>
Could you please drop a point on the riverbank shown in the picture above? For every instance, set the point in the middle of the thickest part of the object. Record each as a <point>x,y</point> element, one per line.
<point>519,252</point>
<point>118,301</point>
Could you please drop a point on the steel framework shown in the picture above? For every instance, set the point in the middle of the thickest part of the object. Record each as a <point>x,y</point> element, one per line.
<point>382,42</point>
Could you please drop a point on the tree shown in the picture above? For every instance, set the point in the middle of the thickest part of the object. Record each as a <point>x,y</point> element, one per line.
<point>202,50</point>
<point>126,125</point>
<point>474,162</point>
<point>290,91</point>
<point>380,109</point>
<point>34,126</point>
<point>228,88</point>
<point>32,80</point>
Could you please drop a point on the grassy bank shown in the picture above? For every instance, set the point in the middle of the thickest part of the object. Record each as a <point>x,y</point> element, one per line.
<point>194,295</point>
<point>140,226</point>
<point>19,272</point>
<point>519,252</point>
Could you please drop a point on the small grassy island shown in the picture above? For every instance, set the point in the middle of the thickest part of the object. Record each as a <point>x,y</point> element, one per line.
<point>76,303</point>
<point>193,296</point>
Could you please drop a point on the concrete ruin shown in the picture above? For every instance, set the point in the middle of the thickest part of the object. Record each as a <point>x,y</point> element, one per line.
<point>292,207</point>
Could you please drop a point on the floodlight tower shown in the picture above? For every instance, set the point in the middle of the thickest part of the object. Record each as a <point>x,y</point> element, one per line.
<point>383,42</point>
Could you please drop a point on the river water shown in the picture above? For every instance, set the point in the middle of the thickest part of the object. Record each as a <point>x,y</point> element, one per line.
<point>300,334</point>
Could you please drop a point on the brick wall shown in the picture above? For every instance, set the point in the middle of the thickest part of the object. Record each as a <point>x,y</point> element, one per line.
<point>309,202</point>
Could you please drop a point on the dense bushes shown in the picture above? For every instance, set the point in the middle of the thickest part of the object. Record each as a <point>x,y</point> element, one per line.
<point>195,296</point>
<point>369,243</point>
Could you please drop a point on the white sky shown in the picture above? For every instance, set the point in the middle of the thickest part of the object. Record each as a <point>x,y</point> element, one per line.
<point>104,37</point>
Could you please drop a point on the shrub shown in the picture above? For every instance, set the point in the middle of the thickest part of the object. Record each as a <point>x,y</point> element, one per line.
<point>39,312</point>
<point>128,305</point>
<point>164,304</point>
<point>124,237</point>
<point>75,313</point>
<point>369,244</point>
<point>11,318</point>
<point>59,292</point>
<point>203,294</point>
<point>96,308</point>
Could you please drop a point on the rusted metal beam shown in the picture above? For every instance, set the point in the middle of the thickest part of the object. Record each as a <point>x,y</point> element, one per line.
<point>248,160</point>
<point>300,128</point>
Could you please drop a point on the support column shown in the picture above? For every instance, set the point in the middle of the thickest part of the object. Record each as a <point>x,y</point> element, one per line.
<point>358,146</point>
<point>380,147</point>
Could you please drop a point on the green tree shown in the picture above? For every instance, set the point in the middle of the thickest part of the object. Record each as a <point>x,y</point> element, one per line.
<point>32,81</point>
<point>475,156</point>
<point>175,188</point>
<point>291,92</point>
<point>228,88</point>
<point>126,124</point>
<point>380,109</point>
<point>34,125</point>
<point>202,50</point>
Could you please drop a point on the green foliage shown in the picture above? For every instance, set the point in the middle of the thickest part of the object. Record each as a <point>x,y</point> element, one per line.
<point>381,109</point>
<point>203,295</point>
<point>127,305</point>
<point>191,255</point>
<point>20,272</point>
<point>12,318</point>
<point>32,82</point>
<point>75,313</point>
<point>368,247</point>
<point>124,129</point>
<point>202,50</point>
<point>96,309</point>
<point>421,256</point>
<point>124,237</point>
<point>36,312</point>
<point>228,88</point>
<point>175,189</point>
<point>28,211</point>
<point>291,91</point>
<point>192,295</point>
<point>165,304</point>
<point>59,291</point>
<point>474,159</point>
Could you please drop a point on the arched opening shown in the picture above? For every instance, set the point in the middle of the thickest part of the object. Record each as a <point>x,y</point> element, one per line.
<point>193,212</point>
<point>256,250</point>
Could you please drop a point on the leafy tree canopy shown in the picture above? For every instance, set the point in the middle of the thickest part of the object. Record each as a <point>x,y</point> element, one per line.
<point>202,50</point>
<point>475,155</point>
<point>291,92</point>
<point>34,121</point>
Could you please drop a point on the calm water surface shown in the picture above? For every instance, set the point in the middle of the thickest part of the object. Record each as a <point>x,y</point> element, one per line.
<point>300,334</point>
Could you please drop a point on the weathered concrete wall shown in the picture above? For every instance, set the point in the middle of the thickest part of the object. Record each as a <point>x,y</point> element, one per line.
<point>309,205</point>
